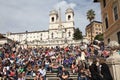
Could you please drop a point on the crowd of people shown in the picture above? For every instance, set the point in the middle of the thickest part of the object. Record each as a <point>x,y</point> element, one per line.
<point>17,63</point>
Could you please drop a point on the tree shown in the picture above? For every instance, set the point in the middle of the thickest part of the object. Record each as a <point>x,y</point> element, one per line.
<point>99,37</point>
<point>77,34</point>
<point>90,17</point>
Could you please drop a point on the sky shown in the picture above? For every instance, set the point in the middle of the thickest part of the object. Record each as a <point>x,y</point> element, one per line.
<point>33,15</point>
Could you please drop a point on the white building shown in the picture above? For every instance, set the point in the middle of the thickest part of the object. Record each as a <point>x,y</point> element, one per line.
<point>58,34</point>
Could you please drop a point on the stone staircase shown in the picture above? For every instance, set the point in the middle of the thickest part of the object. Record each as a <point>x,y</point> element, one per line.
<point>53,76</point>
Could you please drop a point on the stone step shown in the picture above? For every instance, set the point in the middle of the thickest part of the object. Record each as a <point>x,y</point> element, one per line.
<point>57,78</point>
<point>49,73</point>
<point>29,78</point>
<point>67,68</point>
<point>56,75</point>
<point>51,78</point>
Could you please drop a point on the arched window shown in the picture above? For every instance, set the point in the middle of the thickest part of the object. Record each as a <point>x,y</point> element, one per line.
<point>104,3</point>
<point>115,11</point>
<point>118,34</point>
<point>69,33</point>
<point>52,35</point>
<point>41,37</point>
<point>109,40</point>
<point>52,19</point>
<point>69,17</point>
<point>106,23</point>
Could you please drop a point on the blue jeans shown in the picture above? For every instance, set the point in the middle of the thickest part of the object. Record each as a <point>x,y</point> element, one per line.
<point>46,67</point>
<point>44,77</point>
<point>82,78</point>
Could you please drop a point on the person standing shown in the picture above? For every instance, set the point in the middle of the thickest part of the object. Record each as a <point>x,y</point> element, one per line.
<point>95,71</point>
<point>105,71</point>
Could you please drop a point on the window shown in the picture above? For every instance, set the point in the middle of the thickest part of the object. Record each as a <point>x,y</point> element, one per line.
<point>108,40</point>
<point>104,3</point>
<point>118,34</point>
<point>96,32</point>
<point>69,17</point>
<point>115,10</point>
<point>69,33</point>
<point>99,26</point>
<point>41,35</point>
<point>52,19</point>
<point>41,38</point>
<point>52,35</point>
<point>106,22</point>
<point>92,31</point>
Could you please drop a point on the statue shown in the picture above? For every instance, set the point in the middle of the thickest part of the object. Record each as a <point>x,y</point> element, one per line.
<point>114,51</point>
<point>114,60</point>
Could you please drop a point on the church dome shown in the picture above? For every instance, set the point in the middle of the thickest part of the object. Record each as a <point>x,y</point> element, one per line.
<point>53,12</point>
<point>69,10</point>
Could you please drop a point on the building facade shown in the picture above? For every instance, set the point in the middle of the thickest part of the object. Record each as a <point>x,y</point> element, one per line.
<point>59,32</point>
<point>93,29</point>
<point>110,10</point>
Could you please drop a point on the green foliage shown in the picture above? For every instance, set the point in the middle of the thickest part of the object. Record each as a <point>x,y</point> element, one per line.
<point>77,34</point>
<point>90,15</point>
<point>99,37</point>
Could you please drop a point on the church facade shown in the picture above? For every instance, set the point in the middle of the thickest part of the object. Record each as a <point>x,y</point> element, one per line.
<point>59,32</point>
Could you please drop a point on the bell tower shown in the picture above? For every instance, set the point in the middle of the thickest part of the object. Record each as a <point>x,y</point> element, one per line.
<point>53,16</point>
<point>69,15</point>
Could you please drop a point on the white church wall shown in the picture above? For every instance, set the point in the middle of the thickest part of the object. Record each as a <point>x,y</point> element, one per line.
<point>44,38</point>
